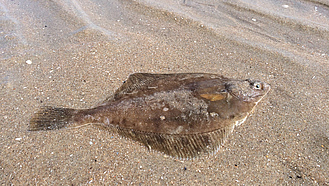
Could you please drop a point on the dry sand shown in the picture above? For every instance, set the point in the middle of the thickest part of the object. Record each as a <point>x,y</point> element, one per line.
<point>76,53</point>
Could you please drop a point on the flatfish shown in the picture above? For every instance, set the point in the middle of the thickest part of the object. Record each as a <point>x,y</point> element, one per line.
<point>183,115</point>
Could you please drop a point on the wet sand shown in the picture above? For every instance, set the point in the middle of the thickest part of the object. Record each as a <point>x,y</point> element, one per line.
<point>76,53</point>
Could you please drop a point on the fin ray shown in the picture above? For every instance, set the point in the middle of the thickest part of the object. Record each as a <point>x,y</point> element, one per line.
<point>50,118</point>
<point>187,146</point>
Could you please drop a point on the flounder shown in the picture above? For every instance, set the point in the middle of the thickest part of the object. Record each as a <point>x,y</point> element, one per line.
<point>184,115</point>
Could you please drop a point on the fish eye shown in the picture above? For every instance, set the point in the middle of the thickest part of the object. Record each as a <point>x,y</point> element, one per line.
<point>258,86</point>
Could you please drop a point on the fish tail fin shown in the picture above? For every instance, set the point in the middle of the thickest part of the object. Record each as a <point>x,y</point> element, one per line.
<point>51,118</point>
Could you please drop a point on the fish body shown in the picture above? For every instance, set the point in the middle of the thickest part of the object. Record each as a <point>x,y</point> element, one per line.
<point>183,115</point>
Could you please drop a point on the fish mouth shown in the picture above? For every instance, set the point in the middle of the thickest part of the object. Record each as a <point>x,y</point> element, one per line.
<point>266,87</point>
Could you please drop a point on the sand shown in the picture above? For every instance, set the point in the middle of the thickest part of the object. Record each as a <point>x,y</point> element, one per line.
<point>76,53</point>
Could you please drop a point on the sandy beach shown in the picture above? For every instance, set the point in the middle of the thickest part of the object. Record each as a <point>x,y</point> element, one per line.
<point>76,53</point>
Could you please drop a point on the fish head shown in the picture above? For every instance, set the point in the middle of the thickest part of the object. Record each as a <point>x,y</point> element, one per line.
<point>248,90</point>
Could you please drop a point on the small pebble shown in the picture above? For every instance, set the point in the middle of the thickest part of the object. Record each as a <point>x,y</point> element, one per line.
<point>18,139</point>
<point>28,62</point>
<point>285,6</point>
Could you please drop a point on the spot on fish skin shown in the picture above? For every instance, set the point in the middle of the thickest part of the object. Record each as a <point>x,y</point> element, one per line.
<point>162,117</point>
<point>165,109</point>
<point>107,121</point>
<point>178,130</point>
<point>152,87</point>
<point>213,114</point>
<point>183,116</point>
<point>89,117</point>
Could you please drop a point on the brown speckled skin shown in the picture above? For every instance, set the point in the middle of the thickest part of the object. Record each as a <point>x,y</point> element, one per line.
<point>182,115</point>
<point>171,103</point>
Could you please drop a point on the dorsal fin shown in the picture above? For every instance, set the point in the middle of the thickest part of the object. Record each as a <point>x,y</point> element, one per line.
<point>139,82</point>
<point>135,82</point>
